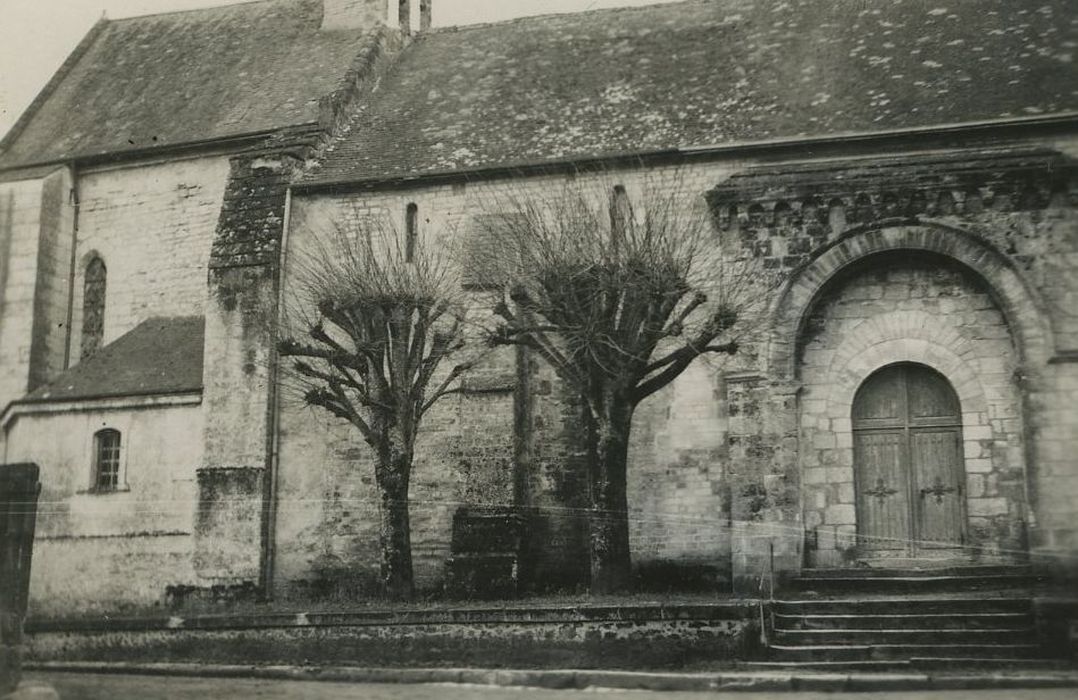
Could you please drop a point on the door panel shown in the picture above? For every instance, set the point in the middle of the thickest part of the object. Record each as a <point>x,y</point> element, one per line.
<point>883,490</point>
<point>908,461</point>
<point>935,459</point>
<point>881,400</point>
<point>931,398</point>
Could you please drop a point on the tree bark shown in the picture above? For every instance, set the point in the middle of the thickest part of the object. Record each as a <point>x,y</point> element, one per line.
<point>608,437</point>
<point>393,473</point>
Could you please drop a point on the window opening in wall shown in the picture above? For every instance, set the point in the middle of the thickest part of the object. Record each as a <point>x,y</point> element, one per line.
<point>411,223</point>
<point>107,460</point>
<point>621,214</point>
<point>93,306</point>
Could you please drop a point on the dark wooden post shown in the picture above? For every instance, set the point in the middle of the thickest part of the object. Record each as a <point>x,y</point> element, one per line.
<point>19,489</point>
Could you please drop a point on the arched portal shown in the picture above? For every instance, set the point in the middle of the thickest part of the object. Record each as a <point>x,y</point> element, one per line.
<point>923,309</point>
<point>908,462</point>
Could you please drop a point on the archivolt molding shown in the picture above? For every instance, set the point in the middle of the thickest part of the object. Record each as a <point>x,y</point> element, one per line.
<point>1020,304</point>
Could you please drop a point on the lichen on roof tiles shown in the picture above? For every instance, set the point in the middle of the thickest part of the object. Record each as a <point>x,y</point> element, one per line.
<point>187,77</point>
<point>701,72</point>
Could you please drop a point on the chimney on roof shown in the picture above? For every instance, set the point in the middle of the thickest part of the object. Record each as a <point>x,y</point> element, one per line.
<point>353,14</point>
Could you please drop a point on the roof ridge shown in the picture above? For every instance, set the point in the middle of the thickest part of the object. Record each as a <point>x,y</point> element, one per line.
<point>449,29</point>
<point>210,8</point>
<point>58,77</point>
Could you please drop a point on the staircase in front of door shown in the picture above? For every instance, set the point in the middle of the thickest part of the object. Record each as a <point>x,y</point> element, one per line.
<point>960,617</point>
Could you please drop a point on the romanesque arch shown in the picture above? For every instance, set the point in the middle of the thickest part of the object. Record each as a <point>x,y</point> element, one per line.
<point>982,371</point>
<point>1019,302</point>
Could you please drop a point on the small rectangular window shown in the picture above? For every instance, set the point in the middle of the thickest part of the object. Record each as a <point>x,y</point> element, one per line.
<point>107,460</point>
<point>411,224</point>
<point>621,215</point>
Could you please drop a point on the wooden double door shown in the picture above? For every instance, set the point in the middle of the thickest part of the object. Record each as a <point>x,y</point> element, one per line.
<point>908,466</point>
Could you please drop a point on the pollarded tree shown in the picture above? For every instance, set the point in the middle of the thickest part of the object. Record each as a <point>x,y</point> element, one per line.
<point>619,303</point>
<point>369,324</point>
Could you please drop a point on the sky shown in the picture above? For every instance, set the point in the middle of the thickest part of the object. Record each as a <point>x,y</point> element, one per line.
<point>37,35</point>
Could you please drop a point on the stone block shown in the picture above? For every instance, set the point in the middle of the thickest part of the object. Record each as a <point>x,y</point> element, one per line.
<point>987,506</point>
<point>839,475</point>
<point>841,514</point>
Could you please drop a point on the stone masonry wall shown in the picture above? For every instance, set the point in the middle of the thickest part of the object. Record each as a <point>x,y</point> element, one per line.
<point>716,471</point>
<point>20,213</point>
<point>48,351</point>
<point>153,225</point>
<point>680,511</point>
<point>114,550</point>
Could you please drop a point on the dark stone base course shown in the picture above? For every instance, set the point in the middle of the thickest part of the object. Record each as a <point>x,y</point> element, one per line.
<point>600,637</point>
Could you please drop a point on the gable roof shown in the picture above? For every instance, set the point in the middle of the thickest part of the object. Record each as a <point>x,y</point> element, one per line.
<point>185,77</point>
<point>702,73</point>
<point>159,356</point>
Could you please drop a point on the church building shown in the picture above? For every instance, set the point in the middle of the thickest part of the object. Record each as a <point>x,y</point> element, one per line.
<point>906,171</point>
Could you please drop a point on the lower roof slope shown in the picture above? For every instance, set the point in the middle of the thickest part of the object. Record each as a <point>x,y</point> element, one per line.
<point>162,355</point>
<point>185,77</point>
<point>704,72</point>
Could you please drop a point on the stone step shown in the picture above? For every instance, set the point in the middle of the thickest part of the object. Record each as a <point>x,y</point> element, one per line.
<point>919,664</point>
<point>1023,635</point>
<point>948,621</point>
<point>945,664</point>
<point>885,652</point>
<point>917,582</point>
<point>828,666</point>
<point>902,605</point>
<point>936,571</point>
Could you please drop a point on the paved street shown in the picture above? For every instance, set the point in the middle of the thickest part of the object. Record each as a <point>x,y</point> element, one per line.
<point>116,687</point>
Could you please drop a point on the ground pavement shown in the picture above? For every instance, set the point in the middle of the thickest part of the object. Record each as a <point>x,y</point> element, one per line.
<point>77,686</point>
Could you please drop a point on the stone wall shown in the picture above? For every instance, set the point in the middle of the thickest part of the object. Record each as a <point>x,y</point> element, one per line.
<point>20,214</point>
<point>680,512</point>
<point>48,351</point>
<point>579,637</point>
<point>112,550</point>
<point>719,459</point>
<point>153,226</point>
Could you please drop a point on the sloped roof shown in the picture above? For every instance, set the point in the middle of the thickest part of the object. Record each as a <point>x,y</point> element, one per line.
<point>185,77</point>
<point>158,356</point>
<point>704,72</point>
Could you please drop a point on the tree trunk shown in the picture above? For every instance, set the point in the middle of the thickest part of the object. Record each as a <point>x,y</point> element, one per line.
<point>608,437</point>
<point>393,472</point>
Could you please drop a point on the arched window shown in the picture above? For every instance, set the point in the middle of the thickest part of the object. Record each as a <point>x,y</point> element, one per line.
<point>107,460</point>
<point>411,227</point>
<point>93,306</point>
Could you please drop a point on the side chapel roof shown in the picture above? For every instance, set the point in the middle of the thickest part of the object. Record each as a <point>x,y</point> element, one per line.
<point>162,355</point>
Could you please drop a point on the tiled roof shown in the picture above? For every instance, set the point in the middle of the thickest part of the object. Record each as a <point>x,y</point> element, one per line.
<point>159,356</point>
<point>705,72</point>
<point>184,77</point>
